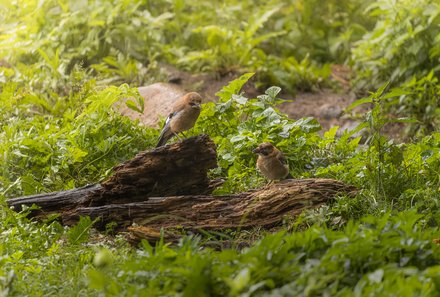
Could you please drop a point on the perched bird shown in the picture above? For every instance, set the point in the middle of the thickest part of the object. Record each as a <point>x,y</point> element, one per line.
<point>271,162</point>
<point>183,116</point>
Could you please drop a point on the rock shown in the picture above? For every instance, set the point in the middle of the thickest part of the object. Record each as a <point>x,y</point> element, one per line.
<point>159,98</point>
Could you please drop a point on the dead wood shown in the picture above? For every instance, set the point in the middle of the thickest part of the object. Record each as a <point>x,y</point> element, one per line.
<point>177,169</point>
<point>264,207</point>
<point>168,188</point>
<point>54,202</point>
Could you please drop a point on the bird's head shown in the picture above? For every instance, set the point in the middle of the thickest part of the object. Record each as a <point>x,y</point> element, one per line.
<point>264,149</point>
<point>194,99</point>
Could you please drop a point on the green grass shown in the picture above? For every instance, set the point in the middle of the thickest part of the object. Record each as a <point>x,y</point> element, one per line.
<point>68,65</point>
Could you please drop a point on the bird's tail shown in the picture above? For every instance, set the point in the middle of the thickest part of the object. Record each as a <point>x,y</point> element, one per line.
<point>288,176</point>
<point>165,135</point>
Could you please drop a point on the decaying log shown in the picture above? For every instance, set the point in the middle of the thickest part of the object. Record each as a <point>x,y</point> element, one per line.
<point>262,207</point>
<point>168,188</point>
<point>177,169</point>
<point>56,201</point>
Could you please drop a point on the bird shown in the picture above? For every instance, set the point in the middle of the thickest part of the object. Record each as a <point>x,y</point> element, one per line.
<point>183,116</point>
<point>271,162</point>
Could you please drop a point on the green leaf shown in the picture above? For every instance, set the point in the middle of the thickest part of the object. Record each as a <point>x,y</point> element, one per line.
<point>260,20</point>
<point>359,102</point>
<point>240,281</point>
<point>80,232</point>
<point>239,99</point>
<point>97,279</point>
<point>308,124</point>
<point>396,93</point>
<point>133,106</point>
<point>273,91</point>
<point>382,89</point>
<point>233,87</point>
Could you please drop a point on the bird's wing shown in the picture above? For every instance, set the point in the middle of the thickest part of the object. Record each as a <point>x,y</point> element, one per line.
<point>281,158</point>
<point>170,116</point>
<point>283,161</point>
<point>166,133</point>
<point>178,106</point>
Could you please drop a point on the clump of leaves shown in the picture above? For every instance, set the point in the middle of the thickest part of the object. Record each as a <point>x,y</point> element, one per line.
<point>392,176</point>
<point>403,43</point>
<point>227,49</point>
<point>294,75</point>
<point>56,143</point>
<point>420,101</point>
<point>323,39</point>
<point>62,37</point>
<point>238,124</point>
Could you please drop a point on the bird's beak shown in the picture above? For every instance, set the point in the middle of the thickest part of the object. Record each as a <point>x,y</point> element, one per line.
<point>256,151</point>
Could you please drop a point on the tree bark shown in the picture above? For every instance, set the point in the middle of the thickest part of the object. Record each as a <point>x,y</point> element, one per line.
<point>54,202</point>
<point>177,169</point>
<point>263,207</point>
<point>172,170</point>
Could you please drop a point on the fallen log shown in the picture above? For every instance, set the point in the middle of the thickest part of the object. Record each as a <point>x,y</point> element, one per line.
<point>168,188</point>
<point>54,202</point>
<point>172,170</point>
<point>263,207</point>
<point>177,169</point>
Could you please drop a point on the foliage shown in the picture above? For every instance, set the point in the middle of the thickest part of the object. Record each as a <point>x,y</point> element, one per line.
<point>375,254</point>
<point>123,41</point>
<point>61,36</point>
<point>59,131</point>
<point>420,100</point>
<point>387,254</point>
<point>315,262</point>
<point>63,142</point>
<point>405,42</point>
<point>327,38</point>
<point>229,48</point>
<point>80,232</point>
<point>238,124</point>
<point>392,176</point>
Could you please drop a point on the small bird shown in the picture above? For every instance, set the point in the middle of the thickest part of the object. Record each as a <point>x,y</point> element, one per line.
<point>271,162</point>
<point>183,116</point>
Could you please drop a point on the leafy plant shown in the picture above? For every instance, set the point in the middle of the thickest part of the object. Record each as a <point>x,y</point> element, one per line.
<point>304,75</point>
<point>387,172</point>
<point>230,49</point>
<point>238,124</point>
<point>322,31</point>
<point>420,100</point>
<point>61,143</point>
<point>404,43</point>
<point>377,253</point>
<point>59,131</point>
<point>80,232</point>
